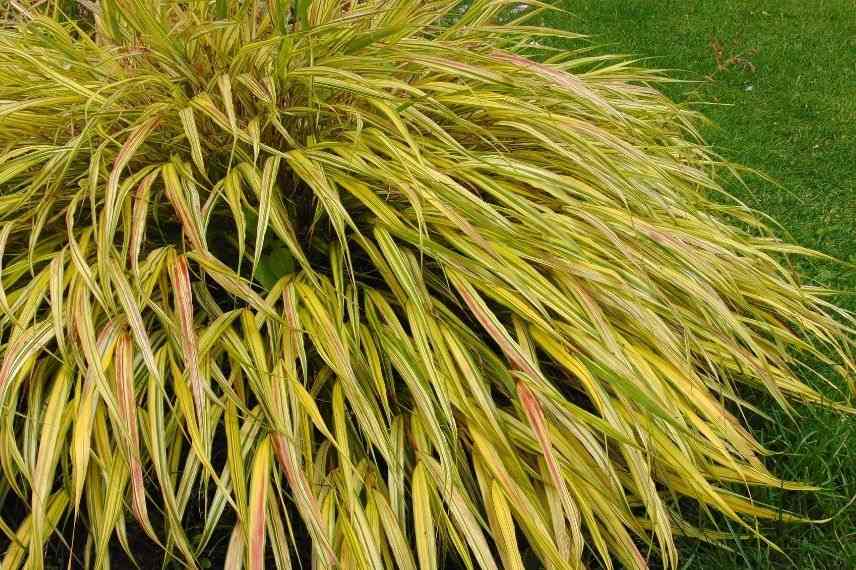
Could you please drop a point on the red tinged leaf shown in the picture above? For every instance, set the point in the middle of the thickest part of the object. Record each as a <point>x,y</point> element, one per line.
<point>259,488</point>
<point>112,199</point>
<point>179,274</point>
<point>124,367</point>
<point>537,422</point>
<point>303,497</point>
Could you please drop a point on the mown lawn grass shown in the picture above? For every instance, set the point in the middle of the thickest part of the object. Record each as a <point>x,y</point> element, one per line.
<point>777,79</point>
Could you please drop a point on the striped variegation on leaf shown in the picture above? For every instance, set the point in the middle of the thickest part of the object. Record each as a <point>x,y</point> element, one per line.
<point>374,284</point>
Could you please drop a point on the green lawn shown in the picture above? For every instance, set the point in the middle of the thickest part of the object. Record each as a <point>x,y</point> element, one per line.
<point>784,103</point>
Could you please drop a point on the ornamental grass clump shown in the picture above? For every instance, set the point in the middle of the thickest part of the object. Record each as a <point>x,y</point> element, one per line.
<point>374,284</point>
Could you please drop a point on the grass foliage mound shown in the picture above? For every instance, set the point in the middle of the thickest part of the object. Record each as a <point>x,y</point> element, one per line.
<point>373,283</point>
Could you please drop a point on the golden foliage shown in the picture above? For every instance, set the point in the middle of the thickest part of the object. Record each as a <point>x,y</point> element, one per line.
<point>386,270</point>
